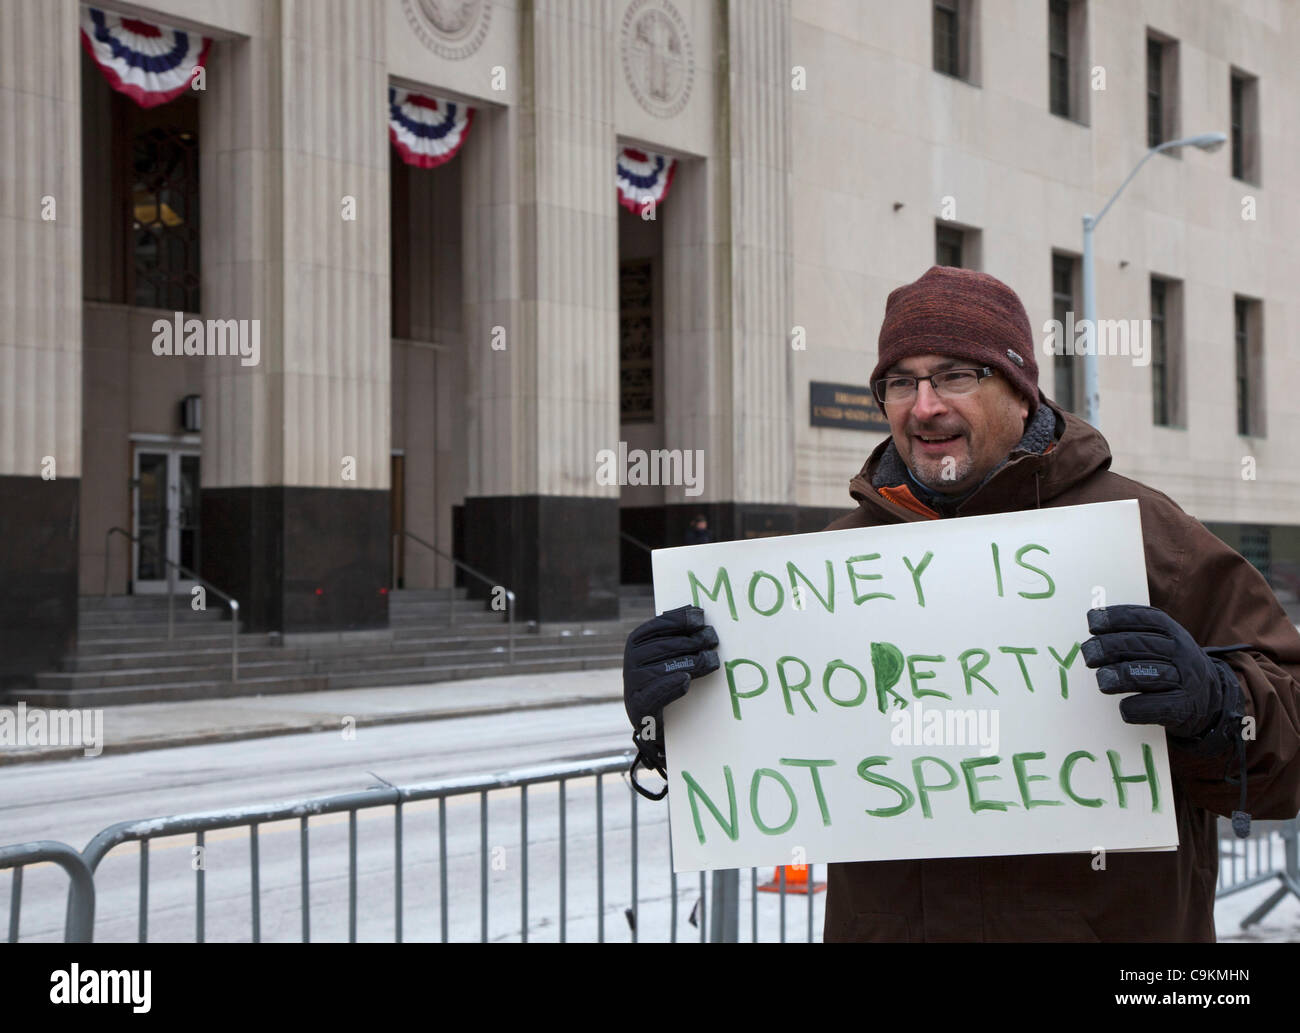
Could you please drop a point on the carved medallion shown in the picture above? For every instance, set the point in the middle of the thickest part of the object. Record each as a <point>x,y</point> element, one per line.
<point>658,60</point>
<point>450,28</point>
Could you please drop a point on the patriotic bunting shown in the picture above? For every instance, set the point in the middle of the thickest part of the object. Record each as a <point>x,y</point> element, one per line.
<point>427,131</point>
<point>150,63</point>
<point>643,176</point>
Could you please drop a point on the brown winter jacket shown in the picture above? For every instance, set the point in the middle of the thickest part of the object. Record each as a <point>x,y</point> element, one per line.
<point>1220,599</point>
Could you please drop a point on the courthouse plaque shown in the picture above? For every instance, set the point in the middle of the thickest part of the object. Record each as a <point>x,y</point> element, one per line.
<point>845,406</point>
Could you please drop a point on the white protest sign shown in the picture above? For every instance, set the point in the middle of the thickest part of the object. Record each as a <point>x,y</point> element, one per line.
<point>908,691</point>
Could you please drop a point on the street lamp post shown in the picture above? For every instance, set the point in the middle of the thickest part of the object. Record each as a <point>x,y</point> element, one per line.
<point>1092,392</point>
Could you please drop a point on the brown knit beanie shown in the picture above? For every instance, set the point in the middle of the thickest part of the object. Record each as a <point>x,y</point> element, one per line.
<point>962,313</point>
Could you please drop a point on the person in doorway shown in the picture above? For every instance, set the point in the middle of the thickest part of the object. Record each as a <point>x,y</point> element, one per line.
<point>1214,653</point>
<point>698,533</point>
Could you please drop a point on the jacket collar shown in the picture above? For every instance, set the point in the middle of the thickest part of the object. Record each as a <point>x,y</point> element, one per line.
<point>1025,481</point>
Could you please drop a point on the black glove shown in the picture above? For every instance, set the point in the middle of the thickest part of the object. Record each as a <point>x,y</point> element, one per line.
<point>661,658</point>
<point>1142,650</point>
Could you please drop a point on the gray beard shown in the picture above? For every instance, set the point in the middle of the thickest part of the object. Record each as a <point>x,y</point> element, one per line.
<point>1039,433</point>
<point>943,485</point>
<point>948,499</point>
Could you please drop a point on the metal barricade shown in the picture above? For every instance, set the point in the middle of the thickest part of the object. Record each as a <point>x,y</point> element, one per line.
<point>1270,854</point>
<point>553,834</point>
<point>80,923</point>
<point>565,845</point>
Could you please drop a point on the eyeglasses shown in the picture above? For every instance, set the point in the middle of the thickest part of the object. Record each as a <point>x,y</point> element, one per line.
<point>947,384</point>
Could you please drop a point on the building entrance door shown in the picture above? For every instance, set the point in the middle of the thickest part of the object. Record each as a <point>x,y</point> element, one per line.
<point>166,503</point>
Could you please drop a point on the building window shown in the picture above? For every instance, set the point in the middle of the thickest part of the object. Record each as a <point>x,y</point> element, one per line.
<point>945,37</point>
<point>1162,90</point>
<point>1058,56</point>
<point>1155,95</point>
<point>1242,352</point>
<point>957,246</point>
<point>636,341</point>
<point>1067,28</point>
<point>1237,108</point>
<point>947,246</point>
<point>1159,355</point>
<point>954,38</point>
<point>1067,374</point>
<point>1245,127</point>
<point>1166,352</point>
<point>1248,366</point>
<point>162,181</point>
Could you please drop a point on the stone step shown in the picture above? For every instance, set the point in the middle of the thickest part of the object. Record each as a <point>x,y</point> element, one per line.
<point>153,675</point>
<point>119,602</point>
<point>131,642</point>
<point>257,670</point>
<point>175,660</point>
<point>467,612</point>
<point>179,691</point>
<point>400,597</point>
<point>428,593</point>
<point>145,623</point>
<point>137,626</point>
<point>220,652</point>
<point>124,655</point>
<point>152,611</point>
<point>128,603</point>
<point>219,640</point>
<point>324,654</point>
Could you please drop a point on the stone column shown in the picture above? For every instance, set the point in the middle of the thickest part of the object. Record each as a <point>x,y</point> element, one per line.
<point>542,408</point>
<point>729,284</point>
<point>40,335</point>
<point>296,448</point>
<point>760,266</point>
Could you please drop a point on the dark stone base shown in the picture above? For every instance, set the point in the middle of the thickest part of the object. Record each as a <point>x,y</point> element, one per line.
<point>39,548</point>
<point>300,559</point>
<point>458,542</point>
<point>559,555</point>
<point>665,526</point>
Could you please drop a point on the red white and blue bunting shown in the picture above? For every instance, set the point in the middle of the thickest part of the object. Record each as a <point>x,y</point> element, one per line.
<point>643,176</point>
<point>150,63</point>
<point>427,131</point>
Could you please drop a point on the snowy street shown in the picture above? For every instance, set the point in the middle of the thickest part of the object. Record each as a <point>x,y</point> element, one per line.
<point>71,801</point>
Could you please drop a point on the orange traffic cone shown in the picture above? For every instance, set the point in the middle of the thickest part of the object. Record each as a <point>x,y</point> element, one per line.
<point>796,881</point>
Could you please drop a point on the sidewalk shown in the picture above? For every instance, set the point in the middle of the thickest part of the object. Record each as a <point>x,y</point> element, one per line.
<point>132,727</point>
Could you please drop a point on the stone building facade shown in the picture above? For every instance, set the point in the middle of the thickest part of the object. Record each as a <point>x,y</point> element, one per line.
<point>450,352</point>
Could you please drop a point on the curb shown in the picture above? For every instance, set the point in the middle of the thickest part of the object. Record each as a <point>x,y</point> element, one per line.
<point>143,743</point>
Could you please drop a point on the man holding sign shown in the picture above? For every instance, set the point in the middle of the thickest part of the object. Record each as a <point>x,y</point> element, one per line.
<point>1069,833</point>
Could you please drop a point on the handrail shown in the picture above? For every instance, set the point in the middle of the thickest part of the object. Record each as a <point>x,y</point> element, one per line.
<point>635,541</point>
<point>459,564</point>
<point>172,565</point>
<point>491,582</point>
